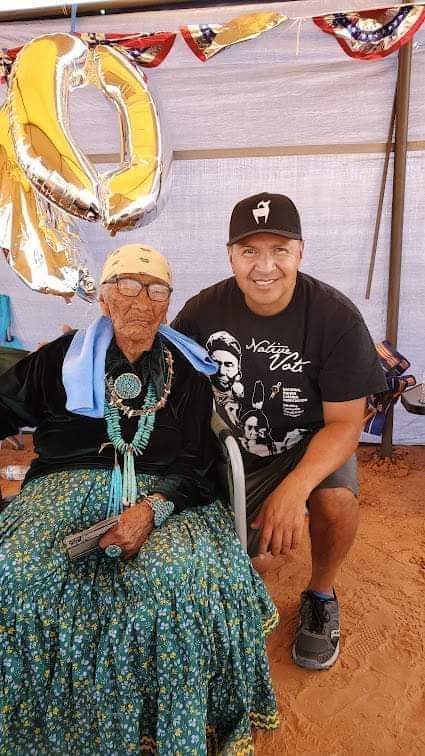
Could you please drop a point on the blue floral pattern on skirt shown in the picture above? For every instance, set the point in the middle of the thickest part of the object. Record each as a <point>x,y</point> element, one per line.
<point>163,654</point>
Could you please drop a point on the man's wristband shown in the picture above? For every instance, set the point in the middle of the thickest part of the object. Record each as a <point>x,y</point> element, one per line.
<point>161,508</point>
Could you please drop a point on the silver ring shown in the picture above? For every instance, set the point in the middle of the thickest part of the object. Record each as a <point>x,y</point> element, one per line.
<point>113,551</point>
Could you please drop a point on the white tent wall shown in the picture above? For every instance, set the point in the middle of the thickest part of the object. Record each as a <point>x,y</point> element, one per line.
<point>259,94</point>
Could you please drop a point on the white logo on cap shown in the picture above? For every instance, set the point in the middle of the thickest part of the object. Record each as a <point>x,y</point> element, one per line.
<point>261,211</point>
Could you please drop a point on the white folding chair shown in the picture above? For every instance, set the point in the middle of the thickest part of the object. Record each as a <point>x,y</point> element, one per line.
<point>232,474</point>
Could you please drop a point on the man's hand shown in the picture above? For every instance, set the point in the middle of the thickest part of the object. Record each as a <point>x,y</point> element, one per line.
<point>134,527</point>
<point>282,517</point>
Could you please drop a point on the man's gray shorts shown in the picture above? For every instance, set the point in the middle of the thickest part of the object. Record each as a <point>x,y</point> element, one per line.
<point>262,482</point>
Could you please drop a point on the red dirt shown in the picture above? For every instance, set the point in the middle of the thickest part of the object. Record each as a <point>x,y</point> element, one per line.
<point>372,701</point>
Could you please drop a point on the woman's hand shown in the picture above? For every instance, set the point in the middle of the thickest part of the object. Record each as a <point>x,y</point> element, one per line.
<point>132,530</point>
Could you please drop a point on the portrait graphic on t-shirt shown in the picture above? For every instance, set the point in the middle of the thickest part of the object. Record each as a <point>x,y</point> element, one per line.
<point>254,427</point>
<point>251,424</point>
<point>255,432</point>
<point>256,437</point>
<point>226,351</point>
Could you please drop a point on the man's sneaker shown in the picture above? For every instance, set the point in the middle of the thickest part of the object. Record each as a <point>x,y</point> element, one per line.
<point>316,643</point>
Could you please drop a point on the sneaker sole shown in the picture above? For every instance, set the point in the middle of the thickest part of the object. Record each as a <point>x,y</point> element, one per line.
<point>301,661</point>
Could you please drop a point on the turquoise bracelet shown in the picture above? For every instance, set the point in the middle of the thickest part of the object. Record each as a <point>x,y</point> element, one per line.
<point>161,509</point>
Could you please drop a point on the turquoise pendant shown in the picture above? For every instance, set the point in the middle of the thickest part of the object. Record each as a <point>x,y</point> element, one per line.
<point>123,486</point>
<point>128,386</point>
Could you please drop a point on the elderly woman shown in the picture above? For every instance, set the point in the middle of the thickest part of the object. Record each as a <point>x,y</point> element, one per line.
<point>153,642</point>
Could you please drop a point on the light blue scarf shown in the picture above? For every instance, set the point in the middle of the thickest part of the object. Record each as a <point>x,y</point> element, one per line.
<point>83,370</point>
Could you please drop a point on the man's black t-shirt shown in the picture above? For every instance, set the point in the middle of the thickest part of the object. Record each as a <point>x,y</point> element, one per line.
<point>275,371</point>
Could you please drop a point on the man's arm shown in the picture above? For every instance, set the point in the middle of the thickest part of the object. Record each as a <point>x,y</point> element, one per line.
<point>282,515</point>
<point>333,445</point>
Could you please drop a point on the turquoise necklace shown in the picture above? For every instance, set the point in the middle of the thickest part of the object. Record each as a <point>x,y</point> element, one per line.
<point>123,487</point>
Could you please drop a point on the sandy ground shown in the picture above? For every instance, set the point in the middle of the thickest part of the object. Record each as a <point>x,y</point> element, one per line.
<point>372,701</point>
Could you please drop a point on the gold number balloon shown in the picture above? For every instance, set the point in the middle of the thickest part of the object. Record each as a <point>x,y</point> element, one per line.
<point>44,176</point>
<point>40,243</point>
<point>44,72</point>
<point>130,195</point>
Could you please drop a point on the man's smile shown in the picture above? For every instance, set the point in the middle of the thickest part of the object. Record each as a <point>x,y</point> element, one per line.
<point>263,282</point>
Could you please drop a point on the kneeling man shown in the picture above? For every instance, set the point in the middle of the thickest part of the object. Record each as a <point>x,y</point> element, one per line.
<point>300,364</point>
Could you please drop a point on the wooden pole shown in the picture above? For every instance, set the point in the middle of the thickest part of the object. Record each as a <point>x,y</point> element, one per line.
<point>399,183</point>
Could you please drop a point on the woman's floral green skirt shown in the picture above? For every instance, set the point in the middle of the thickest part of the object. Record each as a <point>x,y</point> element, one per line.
<point>163,654</point>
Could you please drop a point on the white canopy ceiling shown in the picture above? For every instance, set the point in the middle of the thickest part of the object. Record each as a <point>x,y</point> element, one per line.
<point>259,117</point>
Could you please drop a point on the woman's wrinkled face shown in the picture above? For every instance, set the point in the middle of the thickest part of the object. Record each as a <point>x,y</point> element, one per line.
<point>135,318</point>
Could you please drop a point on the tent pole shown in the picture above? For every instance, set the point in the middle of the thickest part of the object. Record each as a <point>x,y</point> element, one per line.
<point>399,183</point>
<point>388,150</point>
<point>74,9</point>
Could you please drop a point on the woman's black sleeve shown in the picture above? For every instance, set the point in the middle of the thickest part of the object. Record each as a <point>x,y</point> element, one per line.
<point>21,400</point>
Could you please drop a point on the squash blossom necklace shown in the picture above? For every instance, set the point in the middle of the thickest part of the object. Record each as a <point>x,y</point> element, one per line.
<point>123,487</point>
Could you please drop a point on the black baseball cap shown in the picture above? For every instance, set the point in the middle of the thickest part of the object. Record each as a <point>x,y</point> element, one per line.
<point>265,213</point>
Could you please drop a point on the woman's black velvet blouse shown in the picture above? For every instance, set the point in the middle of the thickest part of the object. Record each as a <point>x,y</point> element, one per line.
<point>181,449</point>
